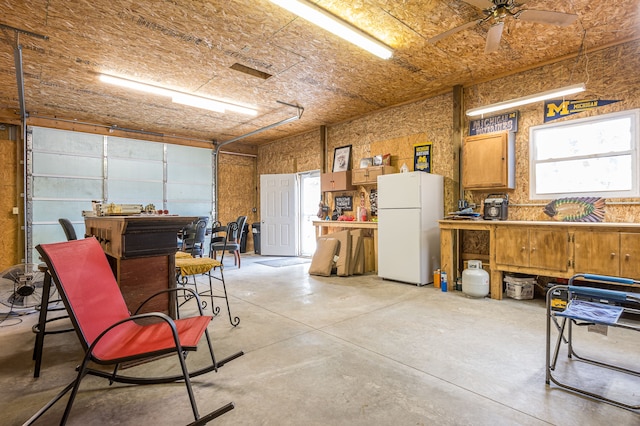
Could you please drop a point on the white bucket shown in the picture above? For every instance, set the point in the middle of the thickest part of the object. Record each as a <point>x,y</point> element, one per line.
<point>475,280</point>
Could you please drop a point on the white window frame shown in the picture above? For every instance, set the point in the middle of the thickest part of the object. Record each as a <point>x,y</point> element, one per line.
<point>535,133</point>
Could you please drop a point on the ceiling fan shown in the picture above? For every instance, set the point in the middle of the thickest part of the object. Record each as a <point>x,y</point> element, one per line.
<point>498,10</point>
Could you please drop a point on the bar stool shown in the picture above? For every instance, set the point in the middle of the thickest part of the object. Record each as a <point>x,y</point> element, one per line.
<point>188,266</point>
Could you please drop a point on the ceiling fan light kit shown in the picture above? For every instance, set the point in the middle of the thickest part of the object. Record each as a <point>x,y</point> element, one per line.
<point>179,97</point>
<point>537,97</point>
<point>325,20</point>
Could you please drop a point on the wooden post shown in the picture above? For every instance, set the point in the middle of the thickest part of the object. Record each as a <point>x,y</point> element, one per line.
<point>457,120</point>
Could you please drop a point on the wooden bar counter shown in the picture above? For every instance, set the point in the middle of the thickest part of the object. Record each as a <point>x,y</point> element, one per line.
<point>547,248</point>
<point>324,227</point>
<point>141,251</point>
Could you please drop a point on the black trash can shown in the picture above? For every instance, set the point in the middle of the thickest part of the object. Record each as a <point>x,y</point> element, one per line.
<point>243,238</point>
<point>256,237</point>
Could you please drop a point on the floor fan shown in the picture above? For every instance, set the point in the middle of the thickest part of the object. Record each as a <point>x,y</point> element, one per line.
<point>21,289</point>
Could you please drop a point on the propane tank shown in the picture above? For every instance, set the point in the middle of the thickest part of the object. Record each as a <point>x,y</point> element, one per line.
<point>475,280</point>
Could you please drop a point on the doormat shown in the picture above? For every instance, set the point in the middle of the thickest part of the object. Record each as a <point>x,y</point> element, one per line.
<point>277,263</point>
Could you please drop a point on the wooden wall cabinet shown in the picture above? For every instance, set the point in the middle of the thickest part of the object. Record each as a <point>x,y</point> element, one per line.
<point>336,181</point>
<point>488,162</point>
<point>369,175</point>
<point>524,248</point>
<point>607,253</point>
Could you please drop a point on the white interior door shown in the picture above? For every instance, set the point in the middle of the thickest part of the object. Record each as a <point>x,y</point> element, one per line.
<point>278,215</point>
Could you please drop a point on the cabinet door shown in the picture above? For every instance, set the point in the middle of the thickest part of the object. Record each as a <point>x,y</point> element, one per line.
<point>549,249</point>
<point>374,172</point>
<point>369,175</point>
<point>630,255</point>
<point>327,182</point>
<point>487,162</point>
<point>597,252</point>
<point>360,176</point>
<point>336,181</point>
<point>512,246</point>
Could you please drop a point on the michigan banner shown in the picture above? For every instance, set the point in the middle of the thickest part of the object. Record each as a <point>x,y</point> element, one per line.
<point>496,123</point>
<point>558,109</point>
<point>422,157</point>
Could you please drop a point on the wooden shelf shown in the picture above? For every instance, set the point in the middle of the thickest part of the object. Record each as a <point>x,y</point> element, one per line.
<point>369,175</point>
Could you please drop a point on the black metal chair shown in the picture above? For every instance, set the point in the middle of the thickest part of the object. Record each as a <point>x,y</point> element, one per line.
<point>187,266</point>
<point>68,229</point>
<point>234,238</point>
<point>193,237</point>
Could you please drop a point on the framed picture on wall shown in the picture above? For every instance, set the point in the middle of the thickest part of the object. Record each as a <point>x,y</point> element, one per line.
<point>341,158</point>
<point>422,154</point>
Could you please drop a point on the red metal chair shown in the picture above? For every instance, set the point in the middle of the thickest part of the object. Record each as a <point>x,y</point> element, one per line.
<point>110,335</point>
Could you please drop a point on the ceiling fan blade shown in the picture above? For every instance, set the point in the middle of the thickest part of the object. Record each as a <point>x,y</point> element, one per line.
<point>480,4</point>
<point>452,31</point>
<point>493,37</point>
<point>548,17</point>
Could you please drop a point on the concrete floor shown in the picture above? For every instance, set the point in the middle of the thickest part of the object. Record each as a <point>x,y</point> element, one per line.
<point>338,351</point>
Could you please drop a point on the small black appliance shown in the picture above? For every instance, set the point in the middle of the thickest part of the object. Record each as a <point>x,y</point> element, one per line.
<point>496,207</point>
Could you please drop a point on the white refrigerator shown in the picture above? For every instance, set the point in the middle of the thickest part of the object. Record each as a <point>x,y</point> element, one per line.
<point>409,207</point>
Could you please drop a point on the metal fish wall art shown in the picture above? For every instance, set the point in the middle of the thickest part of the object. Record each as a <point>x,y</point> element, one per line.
<point>576,209</point>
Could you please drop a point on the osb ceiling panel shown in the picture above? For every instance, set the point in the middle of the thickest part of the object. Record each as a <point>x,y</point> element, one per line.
<point>191,45</point>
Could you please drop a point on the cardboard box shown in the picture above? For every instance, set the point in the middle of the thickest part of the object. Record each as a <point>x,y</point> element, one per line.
<point>520,291</point>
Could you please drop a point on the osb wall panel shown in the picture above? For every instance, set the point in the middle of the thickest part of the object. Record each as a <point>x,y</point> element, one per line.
<point>608,74</point>
<point>300,153</point>
<point>9,225</point>
<point>237,192</point>
<point>475,242</point>
<point>394,131</point>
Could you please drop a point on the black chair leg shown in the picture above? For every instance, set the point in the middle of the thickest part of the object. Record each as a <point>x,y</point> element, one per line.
<point>40,329</point>
<point>235,320</point>
<point>214,309</point>
<point>82,371</point>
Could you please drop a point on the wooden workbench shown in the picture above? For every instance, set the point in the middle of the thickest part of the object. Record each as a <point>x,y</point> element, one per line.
<point>547,248</point>
<point>324,227</point>
<point>141,251</point>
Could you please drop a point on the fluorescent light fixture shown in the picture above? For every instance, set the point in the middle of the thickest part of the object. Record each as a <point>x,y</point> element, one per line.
<point>179,97</point>
<point>335,25</point>
<point>542,96</point>
<point>134,85</point>
<point>198,102</point>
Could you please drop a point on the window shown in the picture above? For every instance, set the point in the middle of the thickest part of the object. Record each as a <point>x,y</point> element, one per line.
<point>595,156</point>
